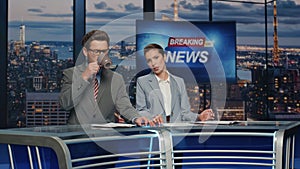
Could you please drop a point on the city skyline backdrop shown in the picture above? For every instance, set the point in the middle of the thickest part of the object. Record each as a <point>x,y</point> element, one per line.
<point>53,20</point>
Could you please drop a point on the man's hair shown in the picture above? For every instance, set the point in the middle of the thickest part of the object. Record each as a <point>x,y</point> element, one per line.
<point>94,35</point>
<point>153,46</point>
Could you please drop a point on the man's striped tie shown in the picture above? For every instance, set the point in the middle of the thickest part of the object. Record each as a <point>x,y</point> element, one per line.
<point>96,88</point>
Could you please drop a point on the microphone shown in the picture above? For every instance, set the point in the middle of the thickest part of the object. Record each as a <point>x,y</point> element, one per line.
<point>104,61</point>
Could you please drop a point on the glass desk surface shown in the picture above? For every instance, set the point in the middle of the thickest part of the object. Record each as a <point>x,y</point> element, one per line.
<point>77,130</point>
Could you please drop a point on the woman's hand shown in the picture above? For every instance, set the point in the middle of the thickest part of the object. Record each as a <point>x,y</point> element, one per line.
<point>157,120</point>
<point>207,114</point>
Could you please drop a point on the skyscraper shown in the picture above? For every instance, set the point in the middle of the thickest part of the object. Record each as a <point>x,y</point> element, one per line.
<point>175,10</point>
<point>275,36</point>
<point>43,109</point>
<point>22,35</point>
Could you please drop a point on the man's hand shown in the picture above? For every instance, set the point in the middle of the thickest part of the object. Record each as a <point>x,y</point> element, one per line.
<point>91,69</point>
<point>143,121</point>
<point>207,114</point>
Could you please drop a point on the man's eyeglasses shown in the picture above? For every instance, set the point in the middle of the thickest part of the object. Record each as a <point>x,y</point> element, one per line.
<point>97,52</point>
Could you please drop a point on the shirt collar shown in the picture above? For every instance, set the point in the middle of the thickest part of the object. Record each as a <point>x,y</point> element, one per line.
<point>160,80</point>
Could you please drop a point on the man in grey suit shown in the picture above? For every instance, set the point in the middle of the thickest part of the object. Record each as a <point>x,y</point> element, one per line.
<point>93,93</point>
<point>162,96</point>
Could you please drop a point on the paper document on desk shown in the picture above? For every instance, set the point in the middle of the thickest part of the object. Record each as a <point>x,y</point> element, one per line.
<point>112,125</point>
<point>216,122</point>
<point>176,124</point>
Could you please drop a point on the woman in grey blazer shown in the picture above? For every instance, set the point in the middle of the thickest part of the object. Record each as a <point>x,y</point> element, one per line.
<point>162,96</point>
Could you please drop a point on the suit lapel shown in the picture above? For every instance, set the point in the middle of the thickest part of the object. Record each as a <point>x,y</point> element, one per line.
<point>103,84</point>
<point>153,82</point>
<point>88,104</point>
<point>174,91</point>
<point>155,86</point>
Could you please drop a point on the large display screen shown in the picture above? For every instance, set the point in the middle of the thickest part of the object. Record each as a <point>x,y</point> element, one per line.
<point>206,49</point>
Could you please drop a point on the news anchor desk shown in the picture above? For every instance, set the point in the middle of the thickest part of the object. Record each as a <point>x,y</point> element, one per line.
<point>260,144</point>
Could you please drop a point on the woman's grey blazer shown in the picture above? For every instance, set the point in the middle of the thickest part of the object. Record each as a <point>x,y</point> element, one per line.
<point>150,102</point>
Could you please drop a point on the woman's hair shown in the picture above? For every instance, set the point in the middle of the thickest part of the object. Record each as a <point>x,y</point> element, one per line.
<point>94,35</point>
<point>153,46</point>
